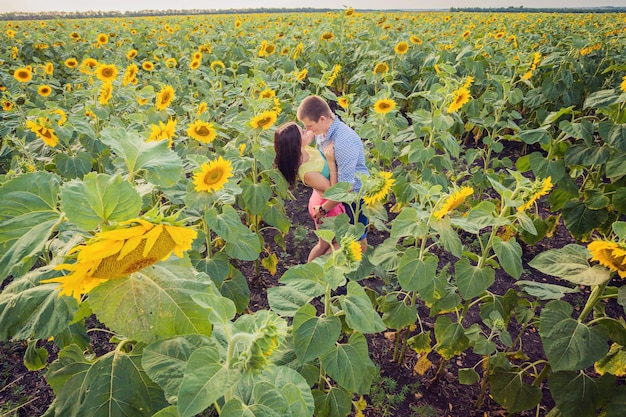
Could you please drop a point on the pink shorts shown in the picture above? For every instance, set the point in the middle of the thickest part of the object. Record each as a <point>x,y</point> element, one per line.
<point>316,199</point>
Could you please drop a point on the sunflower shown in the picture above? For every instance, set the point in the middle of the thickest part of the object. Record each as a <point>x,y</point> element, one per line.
<point>106,92</point>
<point>88,65</point>
<point>453,201</point>
<point>102,39</point>
<point>201,108</point>
<point>264,120</point>
<point>23,75</point>
<point>164,97</point>
<point>539,189</point>
<point>622,86</point>
<point>384,106</point>
<point>202,131</point>
<point>131,54</point>
<point>171,62</point>
<point>401,48</point>
<point>130,247</point>
<point>349,12</point>
<point>302,74</point>
<point>43,131</point>
<point>215,64</point>
<point>459,98</point>
<point>343,102</point>
<point>147,65</point>
<point>163,131</point>
<point>333,75</point>
<point>71,63</point>
<point>468,82</point>
<point>106,72</point>
<point>609,254</point>
<point>62,116</point>
<point>44,90</point>
<point>49,68</point>
<point>194,64</point>
<point>197,56</point>
<point>327,36</point>
<point>130,75</point>
<point>267,93</point>
<point>416,40</point>
<point>351,249</point>
<point>377,187</point>
<point>75,36</point>
<point>213,175</point>
<point>7,105</point>
<point>298,50</point>
<point>466,34</point>
<point>381,68</point>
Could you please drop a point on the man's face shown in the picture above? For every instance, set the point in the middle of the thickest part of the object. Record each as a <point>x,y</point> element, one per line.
<point>318,127</point>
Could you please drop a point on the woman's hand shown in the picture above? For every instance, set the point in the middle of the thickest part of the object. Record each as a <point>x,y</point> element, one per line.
<point>329,152</point>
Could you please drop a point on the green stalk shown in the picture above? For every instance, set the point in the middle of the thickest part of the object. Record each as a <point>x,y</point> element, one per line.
<point>593,299</point>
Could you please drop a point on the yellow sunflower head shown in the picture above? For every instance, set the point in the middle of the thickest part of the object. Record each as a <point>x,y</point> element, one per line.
<point>264,120</point>
<point>302,74</point>
<point>117,253</point>
<point>351,249</point>
<point>381,68</point>
<point>42,129</point>
<point>102,39</point>
<point>213,176</point>
<point>165,97</point>
<point>131,54</point>
<point>401,48</point>
<point>23,75</point>
<point>202,131</point>
<point>376,187</point>
<point>217,64</point>
<point>343,102</point>
<point>459,98</point>
<point>106,72</point>
<point>622,86</point>
<point>71,63</point>
<point>44,90</point>
<point>327,36</point>
<point>611,255</point>
<point>384,106</point>
<point>453,201</point>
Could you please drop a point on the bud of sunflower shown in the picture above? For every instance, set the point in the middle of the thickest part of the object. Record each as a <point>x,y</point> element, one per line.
<point>351,249</point>
<point>261,334</point>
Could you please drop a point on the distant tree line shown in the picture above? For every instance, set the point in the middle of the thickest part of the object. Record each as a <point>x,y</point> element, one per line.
<point>173,12</point>
<point>142,13</point>
<point>522,9</point>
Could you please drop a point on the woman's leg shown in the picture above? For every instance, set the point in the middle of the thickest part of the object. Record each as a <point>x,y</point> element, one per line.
<point>321,248</point>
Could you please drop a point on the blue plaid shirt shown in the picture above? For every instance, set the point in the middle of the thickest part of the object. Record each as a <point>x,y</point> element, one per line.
<point>349,152</point>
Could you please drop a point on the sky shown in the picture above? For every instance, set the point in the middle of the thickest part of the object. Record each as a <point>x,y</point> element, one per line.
<point>135,5</point>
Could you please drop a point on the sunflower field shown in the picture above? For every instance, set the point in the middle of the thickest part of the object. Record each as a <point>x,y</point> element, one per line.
<point>137,175</point>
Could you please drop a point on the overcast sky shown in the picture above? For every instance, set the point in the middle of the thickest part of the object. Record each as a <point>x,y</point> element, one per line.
<point>134,5</point>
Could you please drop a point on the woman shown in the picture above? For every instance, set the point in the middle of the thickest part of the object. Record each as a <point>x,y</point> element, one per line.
<point>295,158</point>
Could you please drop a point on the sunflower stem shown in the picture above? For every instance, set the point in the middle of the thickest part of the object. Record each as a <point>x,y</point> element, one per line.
<point>595,295</point>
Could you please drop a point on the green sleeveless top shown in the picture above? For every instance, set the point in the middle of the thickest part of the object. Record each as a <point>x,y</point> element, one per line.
<point>316,163</point>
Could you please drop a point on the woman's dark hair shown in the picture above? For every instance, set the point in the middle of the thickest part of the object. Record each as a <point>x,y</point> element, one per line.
<point>288,144</point>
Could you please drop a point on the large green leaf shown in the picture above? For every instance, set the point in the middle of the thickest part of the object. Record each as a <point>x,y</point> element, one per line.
<point>576,394</point>
<point>35,311</point>
<point>274,215</point>
<point>587,156</point>
<point>207,378</point>
<point>73,166</point>
<point>617,404</point>
<point>162,166</point>
<point>396,313</point>
<point>336,402</point>
<point>99,198</point>
<point>569,345</point>
<point>407,223</point>
<point>531,136</point>
<point>580,220</point>
<point>472,280</point>
<point>545,291</point>
<point>28,216</point>
<point>570,263</point>
<point>165,361</point>
<point>349,364</point>
<point>451,338</point>
<point>255,196</point>
<point>241,242</point>
<point>303,283</point>
<point>109,386</point>
<point>510,391</point>
<point>413,272</point>
<point>314,336</point>
<point>289,388</point>
<point>154,303</point>
<point>509,254</point>
<point>360,315</point>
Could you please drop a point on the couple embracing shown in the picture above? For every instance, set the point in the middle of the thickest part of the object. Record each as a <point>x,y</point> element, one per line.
<point>338,156</point>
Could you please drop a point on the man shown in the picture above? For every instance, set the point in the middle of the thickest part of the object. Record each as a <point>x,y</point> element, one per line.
<point>316,116</point>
